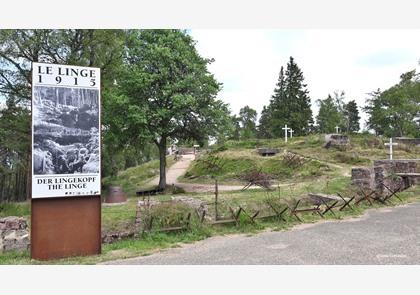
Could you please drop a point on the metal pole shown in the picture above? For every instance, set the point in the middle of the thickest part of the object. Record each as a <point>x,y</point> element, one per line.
<point>216,197</point>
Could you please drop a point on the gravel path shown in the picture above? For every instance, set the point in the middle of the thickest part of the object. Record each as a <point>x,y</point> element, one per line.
<point>179,168</point>
<point>381,236</point>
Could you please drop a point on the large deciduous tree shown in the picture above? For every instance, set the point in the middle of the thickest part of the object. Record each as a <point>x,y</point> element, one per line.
<point>396,111</point>
<point>247,118</point>
<point>168,92</point>
<point>329,116</point>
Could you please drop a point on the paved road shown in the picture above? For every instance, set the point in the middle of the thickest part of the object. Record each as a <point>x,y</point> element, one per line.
<point>384,236</point>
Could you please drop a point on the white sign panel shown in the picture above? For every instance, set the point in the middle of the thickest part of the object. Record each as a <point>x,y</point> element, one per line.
<point>66,143</point>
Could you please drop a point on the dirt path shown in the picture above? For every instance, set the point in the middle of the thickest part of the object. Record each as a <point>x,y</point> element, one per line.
<point>176,170</point>
<point>179,168</point>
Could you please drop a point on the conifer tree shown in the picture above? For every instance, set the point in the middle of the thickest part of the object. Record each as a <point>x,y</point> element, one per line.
<point>264,130</point>
<point>290,104</point>
<point>297,106</point>
<point>352,118</point>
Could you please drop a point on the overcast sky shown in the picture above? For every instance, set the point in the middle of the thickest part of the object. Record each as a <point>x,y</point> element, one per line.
<point>248,62</point>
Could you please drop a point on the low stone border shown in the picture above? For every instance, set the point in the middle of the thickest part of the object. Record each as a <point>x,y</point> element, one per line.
<point>14,234</point>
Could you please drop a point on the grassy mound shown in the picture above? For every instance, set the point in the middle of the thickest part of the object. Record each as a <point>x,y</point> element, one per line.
<point>137,177</point>
<point>241,156</point>
<point>238,162</point>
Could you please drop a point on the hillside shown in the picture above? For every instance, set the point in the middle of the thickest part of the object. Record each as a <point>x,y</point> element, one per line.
<point>135,178</point>
<point>241,156</point>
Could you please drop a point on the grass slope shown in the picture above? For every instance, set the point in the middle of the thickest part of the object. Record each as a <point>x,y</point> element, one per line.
<point>136,178</point>
<point>240,156</point>
<point>328,174</point>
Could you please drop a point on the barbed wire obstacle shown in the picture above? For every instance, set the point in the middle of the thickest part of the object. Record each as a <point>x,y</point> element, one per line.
<point>293,160</point>
<point>257,178</point>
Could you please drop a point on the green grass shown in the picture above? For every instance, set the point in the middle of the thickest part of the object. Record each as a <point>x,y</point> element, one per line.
<point>152,242</point>
<point>15,209</point>
<point>328,172</point>
<point>240,156</point>
<point>237,162</point>
<point>136,178</point>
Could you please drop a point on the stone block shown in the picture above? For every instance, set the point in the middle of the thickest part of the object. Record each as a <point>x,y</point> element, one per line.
<point>13,222</point>
<point>14,234</point>
<point>336,140</point>
<point>362,177</point>
<point>10,235</point>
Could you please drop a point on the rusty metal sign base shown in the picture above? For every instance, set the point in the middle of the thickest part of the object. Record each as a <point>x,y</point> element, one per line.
<point>65,227</point>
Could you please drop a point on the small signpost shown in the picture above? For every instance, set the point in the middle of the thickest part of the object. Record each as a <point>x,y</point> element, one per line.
<point>66,161</point>
<point>285,128</point>
<point>390,144</point>
<point>291,132</point>
<point>337,129</point>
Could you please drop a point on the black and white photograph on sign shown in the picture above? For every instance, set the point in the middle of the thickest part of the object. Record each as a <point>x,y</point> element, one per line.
<point>66,130</point>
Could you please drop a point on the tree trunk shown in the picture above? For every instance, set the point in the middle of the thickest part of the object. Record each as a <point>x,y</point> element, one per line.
<point>29,172</point>
<point>162,163</point>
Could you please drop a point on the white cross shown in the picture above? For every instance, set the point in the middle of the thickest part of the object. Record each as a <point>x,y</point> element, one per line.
<point>336,129</point>
<point>390,147</point>
<point>291,132</point>
<point>285,132</point>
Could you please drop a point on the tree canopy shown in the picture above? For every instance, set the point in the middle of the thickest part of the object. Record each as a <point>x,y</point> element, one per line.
<point>333,111</point>
<point>329,116</point>
<point>167,91</point>
<point>396,111</point>
<point>247,119</point>
<point>290,104</point>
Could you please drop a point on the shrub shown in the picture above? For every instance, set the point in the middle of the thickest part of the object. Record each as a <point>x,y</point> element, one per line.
<point>167,214</point>
<point>314,140</point>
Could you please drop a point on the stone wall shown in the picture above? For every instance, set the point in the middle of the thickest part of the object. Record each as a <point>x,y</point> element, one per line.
<point>336,140</point>
<point>407,141</point>
<point>111,237</point>
<point>14,234</point>
<point>383,173</point>
<point>363,177</point>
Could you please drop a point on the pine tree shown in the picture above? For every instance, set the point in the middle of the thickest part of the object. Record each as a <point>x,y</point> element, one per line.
<point>298,104</point>
<point>277,106</point>
<point>264,130</point>
<point>352,118</point>
<point>290,104</point>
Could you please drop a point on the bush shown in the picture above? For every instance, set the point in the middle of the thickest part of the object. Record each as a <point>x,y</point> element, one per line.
<point>314,140</point>
<point>168,214</point>
<point>370,142</point>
